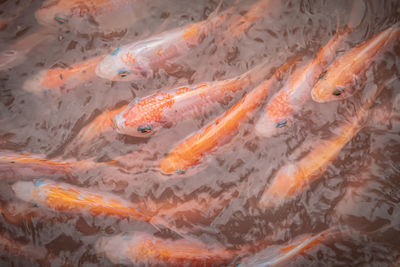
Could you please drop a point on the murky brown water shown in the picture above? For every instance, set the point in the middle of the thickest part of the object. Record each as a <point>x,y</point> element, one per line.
<point>358,192</point>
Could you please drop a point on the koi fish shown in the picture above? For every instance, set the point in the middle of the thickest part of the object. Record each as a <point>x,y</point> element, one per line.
<point>146,116</point>
<point>296,91</point>
<point>140,248</point>
<point>63,77</point>
<point>89,16</point>
<point>191,151</point>
<point>16,53</point>
<point>27,251</point>
<point>68,198</point>
<point>238,26</point>
<point>294,177</point>
<point>140,60</point>
<point>340,79</point>
<point>24,165</point>
<point>280,256</point>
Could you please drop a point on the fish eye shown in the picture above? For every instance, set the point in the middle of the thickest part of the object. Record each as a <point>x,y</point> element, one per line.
<point>144,129</point>
<point>60,20</point>
<point>123,73</point>
<point>338,91</point>
<point>281,124</point>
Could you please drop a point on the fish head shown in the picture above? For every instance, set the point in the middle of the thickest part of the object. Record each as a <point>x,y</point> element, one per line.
<point>335,86</point>
<point>64,14</point>
<point>124,64</point>
<point>136,121</point>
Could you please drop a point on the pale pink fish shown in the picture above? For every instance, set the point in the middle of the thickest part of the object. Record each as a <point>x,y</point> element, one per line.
<point>140,60</point>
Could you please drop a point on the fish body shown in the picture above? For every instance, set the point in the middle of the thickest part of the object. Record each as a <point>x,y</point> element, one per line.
<point>238,26</point>
<point>294,177</point>
<point>191,151</point>
<point>141,59</point>
<point>281,255</point>
<point>91,16</point>
<point>14,165</point>
<point>296,91</point>
<point>147,115</point>
<point>63,78</point>
<point>144,249</point>
<point>68,198</point>
<point>341,78</point>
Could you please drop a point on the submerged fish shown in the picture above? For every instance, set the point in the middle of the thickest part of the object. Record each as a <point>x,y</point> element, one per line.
<point>146,116</point>
<point>17,52</point>
<point>296,91</point>
<point>238,26</point>
<point>140,248</point>
<point>89,16</point>
<point>281,255</point>
<point>294,177</point>
<point>68,198</point>
<point>341,78</point>
<point>14,165</point>
<point>27,251</point>
<point>63,77</point>
<point>190,151</point>
<point>5,19</point>
<point>141,59</point>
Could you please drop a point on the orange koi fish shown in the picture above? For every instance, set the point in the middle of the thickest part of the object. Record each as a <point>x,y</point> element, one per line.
<point>29,252</point>
<point>238,26</point>
<point>191,151</point>
<point>68,198</point>
<point>63,77</point>
<point>16,53</point>
<point>24,165</point>
<point>141,248</point>
<point>296,91</point>
<point>91,16</point>
<point>140,60</point>
<point>341,78</point>
<point>146,116</point>
<point>280,256</point>
<point>294,177</point>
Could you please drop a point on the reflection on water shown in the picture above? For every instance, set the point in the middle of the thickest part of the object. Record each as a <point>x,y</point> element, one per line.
<point>214,205</point>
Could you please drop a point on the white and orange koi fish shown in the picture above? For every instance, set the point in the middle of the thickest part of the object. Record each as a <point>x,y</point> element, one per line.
<point>340,79</point>
<point>142,59</point>
<point>190,151</point>
<point>146,116</point>
<point>296,91</point>
<point>140,248</point>
<point>294,177</point>
<point>63,78</point>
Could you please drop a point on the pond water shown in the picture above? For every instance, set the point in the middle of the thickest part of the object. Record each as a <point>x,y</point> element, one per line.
<point>216,201</point>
